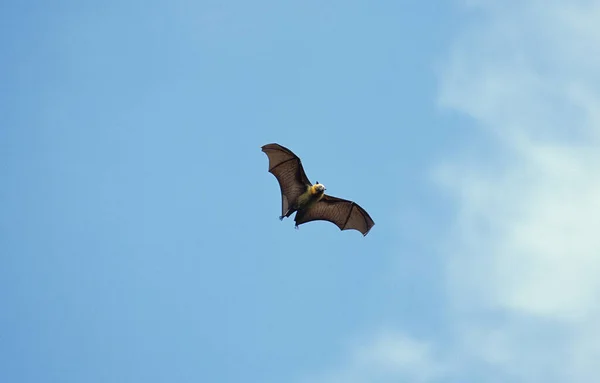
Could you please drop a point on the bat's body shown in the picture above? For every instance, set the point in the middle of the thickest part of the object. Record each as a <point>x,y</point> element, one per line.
<point>308,201</point>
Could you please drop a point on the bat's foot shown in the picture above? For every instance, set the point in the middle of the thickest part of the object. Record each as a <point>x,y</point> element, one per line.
<point>296,227</point>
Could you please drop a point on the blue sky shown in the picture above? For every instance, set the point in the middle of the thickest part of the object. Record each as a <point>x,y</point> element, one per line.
<point>139,237</point>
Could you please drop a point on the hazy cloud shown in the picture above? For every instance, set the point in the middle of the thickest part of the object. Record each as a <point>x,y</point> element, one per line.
<point>524,245</point>
<point>523,252</point>
<point>387,356</point>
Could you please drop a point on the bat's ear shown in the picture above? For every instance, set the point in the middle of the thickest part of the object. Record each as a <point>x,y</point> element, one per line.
<point>317,181</point>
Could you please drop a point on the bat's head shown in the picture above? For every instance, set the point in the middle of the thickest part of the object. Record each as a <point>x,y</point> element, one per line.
<point>319,188</point>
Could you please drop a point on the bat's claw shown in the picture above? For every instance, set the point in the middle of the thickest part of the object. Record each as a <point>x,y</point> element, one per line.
<point>281,217</point>
<point>296,227</point>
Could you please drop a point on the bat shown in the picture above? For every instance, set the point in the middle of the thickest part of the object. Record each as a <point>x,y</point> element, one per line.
<point>308,201</point>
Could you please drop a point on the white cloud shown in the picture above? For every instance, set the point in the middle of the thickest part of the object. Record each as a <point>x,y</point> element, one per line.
<point>523,255</point>
<point>534,219</point>
<point>386,357</point>
<point>525,244</point>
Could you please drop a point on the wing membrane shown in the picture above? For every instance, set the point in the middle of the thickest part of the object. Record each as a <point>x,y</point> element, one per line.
<point>344,214</point>
<point>287,168</point>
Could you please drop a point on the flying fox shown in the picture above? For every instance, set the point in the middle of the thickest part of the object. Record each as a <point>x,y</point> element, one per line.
<point>308,201</point>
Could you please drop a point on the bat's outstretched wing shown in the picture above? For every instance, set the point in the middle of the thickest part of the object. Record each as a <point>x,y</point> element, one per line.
<point>343,213</point>
<point>287,168</point>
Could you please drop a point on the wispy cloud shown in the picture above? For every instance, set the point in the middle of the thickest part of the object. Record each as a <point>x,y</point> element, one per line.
<point>525,242</point>
<point>523,254</point>
<point>388,356</point>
